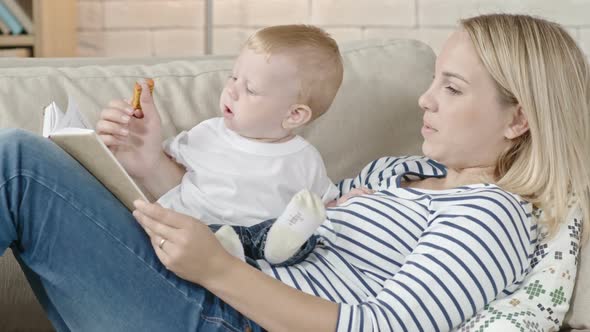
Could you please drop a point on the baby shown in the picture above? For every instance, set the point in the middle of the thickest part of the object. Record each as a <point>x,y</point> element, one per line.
<point>245,167</point>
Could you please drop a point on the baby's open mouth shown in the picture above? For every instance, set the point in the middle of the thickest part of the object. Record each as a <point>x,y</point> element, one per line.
<point>227,110</point>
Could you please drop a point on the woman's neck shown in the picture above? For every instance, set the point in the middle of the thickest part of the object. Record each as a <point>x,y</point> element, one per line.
<point>455,178</point>
<point>461,177</point>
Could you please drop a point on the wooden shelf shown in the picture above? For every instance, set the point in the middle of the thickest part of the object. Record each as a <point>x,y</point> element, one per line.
<point>17,41</point>
<point>55,24</point>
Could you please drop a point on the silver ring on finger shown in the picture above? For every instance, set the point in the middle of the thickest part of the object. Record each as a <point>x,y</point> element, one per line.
<point>161,244</point>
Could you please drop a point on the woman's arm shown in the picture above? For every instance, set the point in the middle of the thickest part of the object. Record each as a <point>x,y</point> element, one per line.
<point>476,247</point>
<point>192,252</point>
<point>269,302</point>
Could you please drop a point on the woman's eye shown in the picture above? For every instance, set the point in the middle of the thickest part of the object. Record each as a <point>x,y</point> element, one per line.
<point>452,90</point>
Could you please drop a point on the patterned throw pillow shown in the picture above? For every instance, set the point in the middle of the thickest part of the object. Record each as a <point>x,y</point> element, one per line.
<point>542,301</point>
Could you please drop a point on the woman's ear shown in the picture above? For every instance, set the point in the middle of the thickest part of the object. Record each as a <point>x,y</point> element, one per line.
<point>299,115</point>
<point>518,125</point>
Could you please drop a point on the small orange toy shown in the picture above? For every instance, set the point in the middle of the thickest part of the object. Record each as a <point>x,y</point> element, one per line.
<point>137,93</point>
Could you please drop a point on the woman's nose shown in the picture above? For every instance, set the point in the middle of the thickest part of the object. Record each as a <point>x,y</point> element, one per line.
<point>426,102</point>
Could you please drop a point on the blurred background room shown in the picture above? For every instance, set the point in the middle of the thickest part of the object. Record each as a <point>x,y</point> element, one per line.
<point>170,28</point>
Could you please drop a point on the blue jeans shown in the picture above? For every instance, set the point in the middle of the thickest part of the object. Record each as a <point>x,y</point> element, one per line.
<point>253,240</point>
<point>90,264</point>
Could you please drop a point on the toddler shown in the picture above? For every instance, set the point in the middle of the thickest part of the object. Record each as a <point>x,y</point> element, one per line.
<point>244,167</point>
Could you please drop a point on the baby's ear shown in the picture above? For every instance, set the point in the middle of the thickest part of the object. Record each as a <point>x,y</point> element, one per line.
<point>518,125</point>
<point>299,115</point>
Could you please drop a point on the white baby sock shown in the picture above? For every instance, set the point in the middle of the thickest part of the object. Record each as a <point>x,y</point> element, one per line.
<point>302,216</point>
<point>230,241</point>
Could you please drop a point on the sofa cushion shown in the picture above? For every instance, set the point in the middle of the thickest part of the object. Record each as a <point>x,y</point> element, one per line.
<point>542,301</point>
<point>579,314</point>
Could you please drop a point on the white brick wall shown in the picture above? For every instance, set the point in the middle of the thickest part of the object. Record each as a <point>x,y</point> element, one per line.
<point>153,14</point>
<point>364,13</point>
<point>248,13</point>
<point>176,27</point>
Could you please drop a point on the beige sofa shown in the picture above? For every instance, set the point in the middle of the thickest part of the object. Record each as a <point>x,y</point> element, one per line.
<point>375,114</point>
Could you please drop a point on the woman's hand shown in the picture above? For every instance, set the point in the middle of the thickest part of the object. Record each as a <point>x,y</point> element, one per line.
<point>188,248</point>
<point>137,143</point>
<point>353,193</point>
<point>183,244</point>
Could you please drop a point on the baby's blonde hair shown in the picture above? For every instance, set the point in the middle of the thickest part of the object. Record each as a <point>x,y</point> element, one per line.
<point>317,57</point>
<point>537,65</point>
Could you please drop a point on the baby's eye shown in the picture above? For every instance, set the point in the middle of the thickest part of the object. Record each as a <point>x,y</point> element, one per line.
<point>232,77</point>
<point>250,91</point>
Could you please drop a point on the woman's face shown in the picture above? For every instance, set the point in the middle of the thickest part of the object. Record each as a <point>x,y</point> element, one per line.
<point>465,125</point>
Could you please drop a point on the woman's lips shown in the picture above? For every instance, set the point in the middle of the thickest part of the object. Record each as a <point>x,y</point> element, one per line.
<point>427,129</point>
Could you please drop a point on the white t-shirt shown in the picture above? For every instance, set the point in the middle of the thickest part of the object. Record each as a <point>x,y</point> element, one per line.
<point>237,181</point>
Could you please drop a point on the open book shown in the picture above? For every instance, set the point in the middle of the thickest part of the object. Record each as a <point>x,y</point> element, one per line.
<point>71,131</point>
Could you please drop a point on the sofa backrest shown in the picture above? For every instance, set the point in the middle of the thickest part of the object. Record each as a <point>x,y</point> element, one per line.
<point>375,112</point>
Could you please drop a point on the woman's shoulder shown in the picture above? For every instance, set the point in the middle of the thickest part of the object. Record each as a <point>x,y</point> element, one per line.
<point>386,171</point>
<point>485,197</point>
<point>487,210</point>
<point>418,165</point>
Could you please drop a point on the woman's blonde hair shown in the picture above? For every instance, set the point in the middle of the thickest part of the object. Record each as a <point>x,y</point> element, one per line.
<point>538,65</point>
<point>317,57</point>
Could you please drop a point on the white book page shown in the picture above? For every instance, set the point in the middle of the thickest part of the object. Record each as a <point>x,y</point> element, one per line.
<point>52,115</point>
<point>73,117</point>
<point>54,119</point>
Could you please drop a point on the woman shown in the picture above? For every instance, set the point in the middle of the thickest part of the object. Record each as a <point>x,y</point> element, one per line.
<point>507,116</point>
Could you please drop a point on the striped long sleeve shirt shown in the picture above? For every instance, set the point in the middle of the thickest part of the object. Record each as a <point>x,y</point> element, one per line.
<point>406,259</point>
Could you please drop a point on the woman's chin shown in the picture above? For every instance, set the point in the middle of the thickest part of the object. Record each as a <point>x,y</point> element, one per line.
<point>428,151</point>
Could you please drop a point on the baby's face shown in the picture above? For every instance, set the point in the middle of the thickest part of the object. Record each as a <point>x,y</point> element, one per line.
<point>259,95</point>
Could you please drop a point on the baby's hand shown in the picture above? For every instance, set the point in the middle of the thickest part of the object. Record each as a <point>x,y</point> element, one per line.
<point>113,124</point>
<point>353,193</point>
<point>136,142</point>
